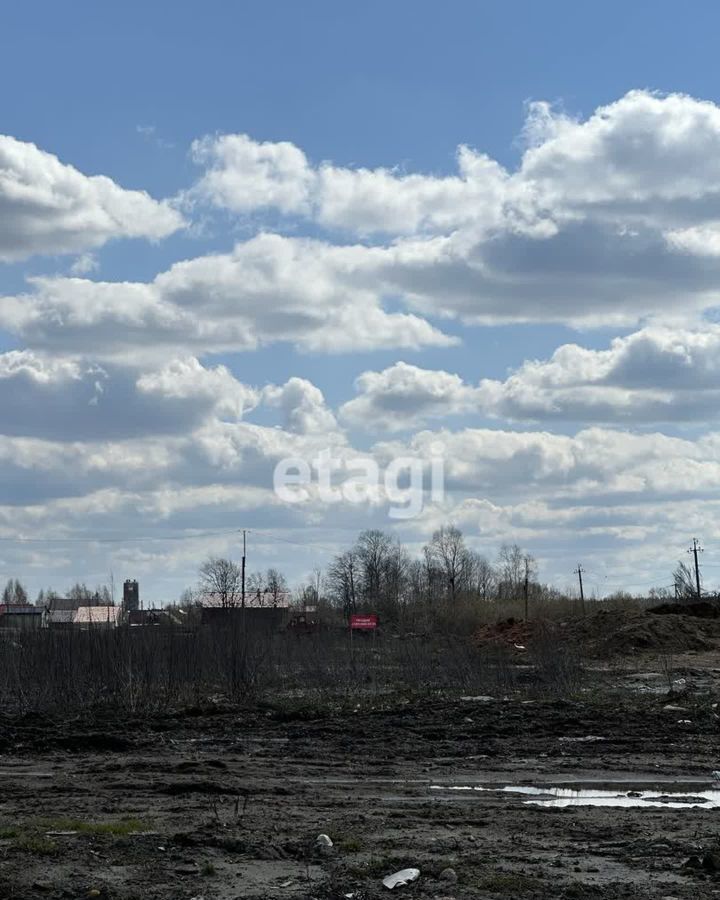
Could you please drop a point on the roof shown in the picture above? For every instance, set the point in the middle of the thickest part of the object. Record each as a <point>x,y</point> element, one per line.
<point>96,615</point>
<point>61,616</point>
<point>64,603</point>
<point>16,609</point>
<point>253,600</point>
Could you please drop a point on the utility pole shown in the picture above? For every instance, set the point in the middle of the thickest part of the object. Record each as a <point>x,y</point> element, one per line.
<point>242,572</point>
<point>694,550</point>
<point>525,585</point>
<point>579,572</point>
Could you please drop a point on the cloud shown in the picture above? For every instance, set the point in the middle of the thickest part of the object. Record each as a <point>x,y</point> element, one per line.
<point>75,399</point>
<point>270,289</point>
<point>533,485</point>
<point>404,396</point>
<point>303,405</point>
<point>113,420</point>
<point>243,175</point>
<point>84,264</point>
<point>605,220</point>
<point>652,376</point>
<point>622,492</point>
<point>49,207</point>
<point>586,274</point>
<point>647,156</point>
<point>655,375</point>
<point>595,465</point>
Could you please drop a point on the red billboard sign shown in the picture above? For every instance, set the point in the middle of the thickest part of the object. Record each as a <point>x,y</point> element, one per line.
<point>363,623</point>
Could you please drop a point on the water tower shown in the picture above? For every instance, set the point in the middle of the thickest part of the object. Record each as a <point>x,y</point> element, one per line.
<point>131,595</point>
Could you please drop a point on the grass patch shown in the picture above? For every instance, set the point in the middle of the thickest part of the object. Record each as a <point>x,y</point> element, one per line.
<point>502,883</point>
<point>119,828</point>
<point>36,844</point>
<point>207,869</point>
<point>350,844</point>
<point>30,837</point>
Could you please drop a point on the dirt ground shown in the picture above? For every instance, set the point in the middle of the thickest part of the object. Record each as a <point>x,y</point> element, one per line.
<point>225,803</point>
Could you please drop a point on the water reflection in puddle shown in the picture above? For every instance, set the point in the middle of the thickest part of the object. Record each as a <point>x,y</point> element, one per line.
<point>590,796</point>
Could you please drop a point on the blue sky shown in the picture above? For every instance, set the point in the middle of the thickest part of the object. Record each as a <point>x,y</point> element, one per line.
<point>578,226</point>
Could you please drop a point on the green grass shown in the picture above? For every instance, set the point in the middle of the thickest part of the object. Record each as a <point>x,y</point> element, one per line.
<point>207,868</point>
<point>36,844</point>
<point>31,837</point>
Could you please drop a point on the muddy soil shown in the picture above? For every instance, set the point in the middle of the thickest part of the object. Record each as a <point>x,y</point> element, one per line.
<point>228,803</point>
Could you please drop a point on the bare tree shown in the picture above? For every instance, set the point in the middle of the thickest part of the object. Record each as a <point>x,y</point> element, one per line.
<point>275,585</point>
<point>395,581</point>
<point>14,593</point>
<point>373,548</point>
<point>342,580</point>
<point>256,587</point>
<point>484,577</point>
<point>511,571</point>
<point>80,592</point>
<point>450,556</point>
<point>308,593</point>
<point>221,580</point>
<point>188,598</point>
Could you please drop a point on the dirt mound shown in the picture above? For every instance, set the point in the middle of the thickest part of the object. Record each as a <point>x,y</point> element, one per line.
<point>614,633</point>
<point>701,609</point>
<point>510,631</point>
<point>610,633</point>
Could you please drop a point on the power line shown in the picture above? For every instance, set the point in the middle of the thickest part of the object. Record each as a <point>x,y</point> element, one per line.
<point>118,540</point>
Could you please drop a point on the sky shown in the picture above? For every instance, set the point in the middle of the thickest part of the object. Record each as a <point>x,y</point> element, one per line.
<point>234,234</point>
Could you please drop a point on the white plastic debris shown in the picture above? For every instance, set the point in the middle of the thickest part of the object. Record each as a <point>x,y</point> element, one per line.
<point>519,646</point>
<point>323,840</point>
<point>405,876</point>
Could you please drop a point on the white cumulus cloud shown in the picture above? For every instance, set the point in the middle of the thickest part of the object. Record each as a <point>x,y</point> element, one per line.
<point>49,207</point>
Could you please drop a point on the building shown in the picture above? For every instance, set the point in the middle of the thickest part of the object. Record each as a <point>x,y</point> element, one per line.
<point>59,618</point>
<point>252,618</point>
<point>21,616</point>
<point>131,595</point>
<point>253,600</point>
<point>170,616</point>
<point>96,616</point>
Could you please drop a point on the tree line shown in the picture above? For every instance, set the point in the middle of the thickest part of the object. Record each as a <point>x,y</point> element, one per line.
<point>15,594</point>
<point>379,572</point>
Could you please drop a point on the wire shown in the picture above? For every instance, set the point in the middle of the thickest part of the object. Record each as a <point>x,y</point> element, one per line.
<point>275,537</point>
<point>115,540</point>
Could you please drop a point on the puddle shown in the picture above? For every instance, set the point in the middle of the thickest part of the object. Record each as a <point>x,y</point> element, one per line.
<point>591,796</point>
